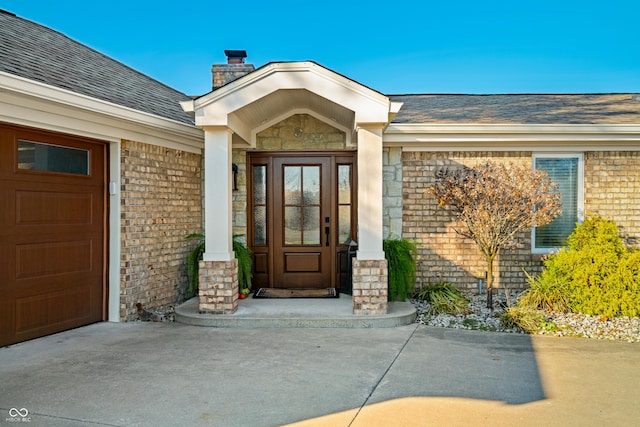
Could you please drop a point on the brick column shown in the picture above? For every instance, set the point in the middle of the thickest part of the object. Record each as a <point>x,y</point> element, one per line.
<point>218,287</point>
<point>370,287</point>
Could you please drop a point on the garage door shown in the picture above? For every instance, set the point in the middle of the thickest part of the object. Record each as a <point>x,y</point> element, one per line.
<point>52,233</point>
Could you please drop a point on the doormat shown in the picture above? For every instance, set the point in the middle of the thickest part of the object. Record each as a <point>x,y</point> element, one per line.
<point>296,293</point>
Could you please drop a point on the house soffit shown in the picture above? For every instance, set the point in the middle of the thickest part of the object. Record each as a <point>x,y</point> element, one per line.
<point>279,90</point>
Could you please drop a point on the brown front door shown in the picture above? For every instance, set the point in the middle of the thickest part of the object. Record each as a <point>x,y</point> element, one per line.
<point>52,233</point>
<point>302,223</point>
<point>300,214</point>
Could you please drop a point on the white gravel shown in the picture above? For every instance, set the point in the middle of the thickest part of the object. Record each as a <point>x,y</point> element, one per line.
<point>571,324</point>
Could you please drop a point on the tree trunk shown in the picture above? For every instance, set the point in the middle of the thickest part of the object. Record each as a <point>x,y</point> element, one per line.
<point>490,282</point>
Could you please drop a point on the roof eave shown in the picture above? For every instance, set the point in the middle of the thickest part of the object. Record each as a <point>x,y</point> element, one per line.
<point>186,133</point>
<point>449,137</point>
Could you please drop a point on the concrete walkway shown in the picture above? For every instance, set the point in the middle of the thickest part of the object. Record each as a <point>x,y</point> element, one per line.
<point>170,374</point>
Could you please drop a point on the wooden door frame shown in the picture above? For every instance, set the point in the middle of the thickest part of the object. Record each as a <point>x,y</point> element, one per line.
<point>263,262</point>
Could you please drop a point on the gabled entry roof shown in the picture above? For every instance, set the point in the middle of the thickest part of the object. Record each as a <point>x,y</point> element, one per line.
<point>281,89</point>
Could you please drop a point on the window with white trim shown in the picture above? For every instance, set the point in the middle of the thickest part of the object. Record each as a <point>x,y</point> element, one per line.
<point>566,170</point>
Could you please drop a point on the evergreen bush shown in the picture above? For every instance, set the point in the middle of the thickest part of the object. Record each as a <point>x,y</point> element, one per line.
<point>596,274</point>
<point>401,255</point>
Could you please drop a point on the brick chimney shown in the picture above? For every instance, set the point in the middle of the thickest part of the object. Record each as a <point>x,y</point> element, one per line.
<point>232,70</point>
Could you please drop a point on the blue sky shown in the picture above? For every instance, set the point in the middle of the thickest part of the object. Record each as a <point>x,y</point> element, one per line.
<point>526,46</point>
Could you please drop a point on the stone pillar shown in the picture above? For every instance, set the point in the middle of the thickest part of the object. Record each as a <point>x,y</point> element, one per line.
<point>218,287</point>
<point>369,274</point>
<point>370,287</point>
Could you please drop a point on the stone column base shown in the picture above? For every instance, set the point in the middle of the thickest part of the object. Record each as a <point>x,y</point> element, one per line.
<point>218,287</point>
<point>370,287</point>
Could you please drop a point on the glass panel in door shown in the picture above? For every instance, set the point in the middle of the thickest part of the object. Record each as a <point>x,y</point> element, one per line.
<point>302,205</point>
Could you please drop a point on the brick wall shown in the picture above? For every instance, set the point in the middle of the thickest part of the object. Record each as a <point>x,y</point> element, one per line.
<point>444,254</point>
<point>612,190</point>
<point>160,205</point>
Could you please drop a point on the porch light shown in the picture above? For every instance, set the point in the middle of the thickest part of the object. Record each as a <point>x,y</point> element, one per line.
<point>234,169</point>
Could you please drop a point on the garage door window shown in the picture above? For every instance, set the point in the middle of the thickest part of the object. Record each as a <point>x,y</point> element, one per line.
<point>37,156</point>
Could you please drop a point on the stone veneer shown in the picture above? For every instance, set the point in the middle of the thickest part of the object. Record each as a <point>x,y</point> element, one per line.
<point>298,132</point>
<point>370,287</point>
<point>160,205</point>
<point>218,287</point>
<point>392,192</point>
<point>222,74</point>
<point>612,190</point>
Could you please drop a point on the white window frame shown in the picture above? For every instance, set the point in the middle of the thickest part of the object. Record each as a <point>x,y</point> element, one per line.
<point>580,204</point>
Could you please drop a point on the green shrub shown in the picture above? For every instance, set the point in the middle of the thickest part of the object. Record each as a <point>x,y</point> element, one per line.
<point>530,321</point>
<point>193,263</point>
<point>596,232</point>
<point>243,255</point>
<point>548,295</point>
<point>597,274</point>
<point>401,255</point>
<point>444,298</point>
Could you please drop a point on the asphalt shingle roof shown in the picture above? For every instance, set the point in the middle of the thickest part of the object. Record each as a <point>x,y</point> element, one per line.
<point>522,109</point>
<point>35,52</point>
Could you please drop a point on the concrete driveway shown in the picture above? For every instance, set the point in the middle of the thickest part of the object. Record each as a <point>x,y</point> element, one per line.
<point>168,374</point>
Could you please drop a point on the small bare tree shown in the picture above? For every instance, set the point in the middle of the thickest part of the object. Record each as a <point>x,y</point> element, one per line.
<point>493,202</point>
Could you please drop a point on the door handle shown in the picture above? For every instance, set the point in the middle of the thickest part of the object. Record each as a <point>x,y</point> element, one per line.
<point>326,232</point>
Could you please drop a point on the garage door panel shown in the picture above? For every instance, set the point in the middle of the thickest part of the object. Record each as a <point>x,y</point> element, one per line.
<point>46,259</point>
<point>51,208</point>
<point>49,310</point>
